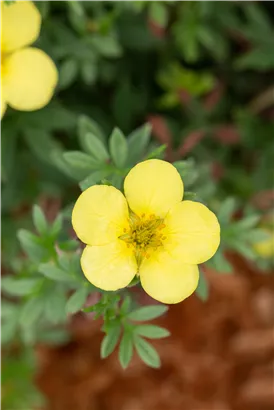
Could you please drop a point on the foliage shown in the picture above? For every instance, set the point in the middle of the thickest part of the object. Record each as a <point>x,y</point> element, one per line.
<point>202,68</point>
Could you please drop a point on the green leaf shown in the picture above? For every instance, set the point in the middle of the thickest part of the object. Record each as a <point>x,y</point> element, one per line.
<point>110,341</point>
<point>56,226</point>
<point>107,46</point>
<point>89,72</point>
<point>53,336</point>
<point>50,271</point>
<point>157,152</point>
<point>80,160</point>
<point>226,210</point>
<point>158,13</point>
<point>126,349</point>
<point>87,125</point>
<point>67,73</point>
<point>96,147</point>
<point>220,263</point>
<point>39,220</point>
<point>137,143</point>
<point>147,312</point>
<point>8,330</point>
<point>94,178</point>
<point>30,244</point>
<point>151,331</point>
<point>55,306</point>
<point>244,249</point>
<point>77,300</point>
<point>19,287</point>
<point>31,312</point>
<point>189,196</point>
<point>147,353</point>
<point>8,309</point>
<point>202,289</point>
<point>125,305</point>
<point>118,147</point>
<point>246,223</point>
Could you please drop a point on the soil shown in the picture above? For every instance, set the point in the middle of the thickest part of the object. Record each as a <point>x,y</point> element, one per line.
<point>220,355</point>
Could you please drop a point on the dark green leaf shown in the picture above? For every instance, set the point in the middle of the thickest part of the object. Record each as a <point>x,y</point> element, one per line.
<point>106,46</point>
<point>126,349</point>
<point>147,353</point>
<point>118,147</point>
<point>110,341</point>
<point>147,313</point>
<point>55,306</point>
<point>89,72</point>
<point>157,152</point>
<point>151,331</point>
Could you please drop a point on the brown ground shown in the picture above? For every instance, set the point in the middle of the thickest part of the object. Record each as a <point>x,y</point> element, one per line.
<point>220,356</point>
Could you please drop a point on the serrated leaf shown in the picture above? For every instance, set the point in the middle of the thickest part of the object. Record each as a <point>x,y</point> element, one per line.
<point>77,300</point>
<point>118,147</point>
<point>31,312</point>
<point>39,220</point>
<point>137,143</point>
<point>19,287</point>
<point>126,349</point>
<point>147,352</point>
<point>110,341</point>
<point>202,288</point>
<point>96,147</point>
<point>147,312</point>
<point>151,331</point>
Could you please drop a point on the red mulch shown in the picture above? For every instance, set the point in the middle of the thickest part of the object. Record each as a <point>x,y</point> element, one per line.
<point>220,356</point>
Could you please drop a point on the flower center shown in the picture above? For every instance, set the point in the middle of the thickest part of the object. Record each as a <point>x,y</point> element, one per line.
<point>145,235</point>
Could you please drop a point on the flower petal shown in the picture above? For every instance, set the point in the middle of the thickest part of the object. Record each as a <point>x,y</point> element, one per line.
<point>193,232</point>
<point>100,215</point>
<point>29,79</point>
<point>21,22</point>
<point>109,267</point>
<point>153,187</point>
<point>167,279</point>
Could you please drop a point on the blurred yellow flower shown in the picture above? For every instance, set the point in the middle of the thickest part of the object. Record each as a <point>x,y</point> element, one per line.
<point>28,75</point>
<point>150,232</point>
<point>265,248</point>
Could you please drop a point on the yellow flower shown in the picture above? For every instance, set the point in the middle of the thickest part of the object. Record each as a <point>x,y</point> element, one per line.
<point>265,248</point>
<point>28,75</point>
<point>150,232</point>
